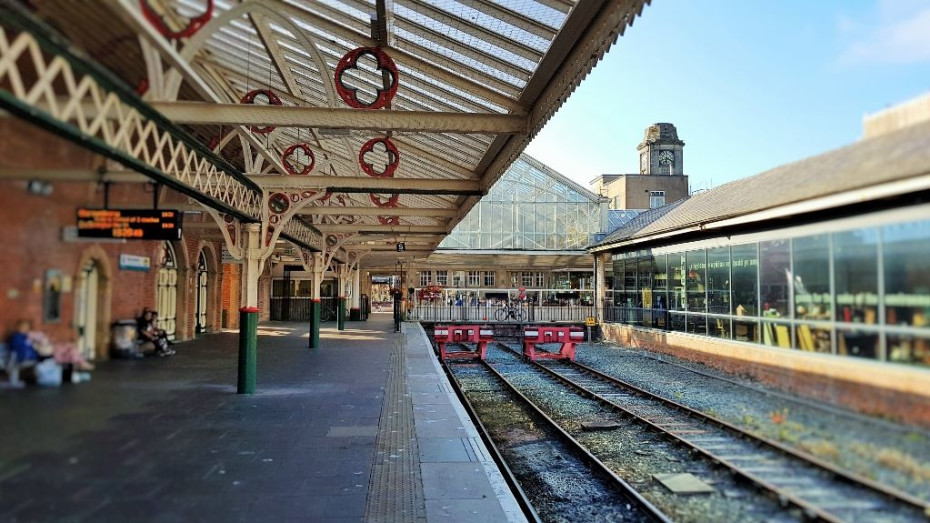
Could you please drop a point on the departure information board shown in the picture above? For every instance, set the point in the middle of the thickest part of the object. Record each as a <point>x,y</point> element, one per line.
<point>129,224</point>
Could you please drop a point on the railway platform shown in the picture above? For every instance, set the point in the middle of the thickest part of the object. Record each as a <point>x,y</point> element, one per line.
<point>364,428</point>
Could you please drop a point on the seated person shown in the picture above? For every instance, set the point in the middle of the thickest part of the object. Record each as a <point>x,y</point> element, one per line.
<point>64,352</point>
<point>145,324</point>
<point>24,354</point>
<point>21,345</point>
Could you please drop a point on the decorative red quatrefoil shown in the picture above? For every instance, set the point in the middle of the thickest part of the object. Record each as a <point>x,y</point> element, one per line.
<point>249,98</point>
<point>392,154</point>
<point>349,94</point>
<point>295,150</point>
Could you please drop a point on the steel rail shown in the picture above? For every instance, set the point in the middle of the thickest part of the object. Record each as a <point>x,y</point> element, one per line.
<point>810,509</point>
<point>522,499</point>
<point>626,489</point>
<point>850,477</point>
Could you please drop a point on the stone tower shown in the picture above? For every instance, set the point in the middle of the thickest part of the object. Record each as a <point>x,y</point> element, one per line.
<point>661,152</point>
<point>661,179</point>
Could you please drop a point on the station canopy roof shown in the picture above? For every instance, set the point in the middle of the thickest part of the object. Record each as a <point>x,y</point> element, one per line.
<point>471,83</point>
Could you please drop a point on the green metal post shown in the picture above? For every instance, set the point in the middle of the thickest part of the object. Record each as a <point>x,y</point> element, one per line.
<point>248,343</point>
<point>315,308</point>
<point>341,313</point>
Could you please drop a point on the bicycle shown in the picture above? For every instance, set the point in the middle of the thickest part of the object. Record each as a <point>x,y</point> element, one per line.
<point>510,312</point>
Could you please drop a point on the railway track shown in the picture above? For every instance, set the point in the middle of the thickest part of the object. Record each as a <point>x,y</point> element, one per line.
<point>819,489</point>
<point>587,478</point>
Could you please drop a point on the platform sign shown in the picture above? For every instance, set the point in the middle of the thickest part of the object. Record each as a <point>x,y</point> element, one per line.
<point>129,224</point>
<point>131,262</point>
<point>590,321</point>
<point>401,247</point>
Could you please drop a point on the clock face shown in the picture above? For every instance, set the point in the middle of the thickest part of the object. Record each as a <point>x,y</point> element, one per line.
<point>666,157</point>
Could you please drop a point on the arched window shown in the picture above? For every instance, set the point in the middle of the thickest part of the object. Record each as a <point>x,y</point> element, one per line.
<point>201,293</point>
<point>166,291</point>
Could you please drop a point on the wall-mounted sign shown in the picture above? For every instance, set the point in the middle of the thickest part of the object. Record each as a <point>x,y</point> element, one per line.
<point>401,247</point>
<point>131,262</point>
<point>129,224</point>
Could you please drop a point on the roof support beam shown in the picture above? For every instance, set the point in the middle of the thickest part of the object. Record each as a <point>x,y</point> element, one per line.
<point>384,229</point>
<point>269,39</point>
<point>359,184</point>
<point>341,118</point>
<point>377,211</point>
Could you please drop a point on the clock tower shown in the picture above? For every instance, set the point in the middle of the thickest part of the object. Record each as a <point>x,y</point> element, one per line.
<point>661,152</point>
<point>661,178</point>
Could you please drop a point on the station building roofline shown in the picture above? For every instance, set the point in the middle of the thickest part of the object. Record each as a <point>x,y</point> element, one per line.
<point>889,165</point>
<point>561,178</point>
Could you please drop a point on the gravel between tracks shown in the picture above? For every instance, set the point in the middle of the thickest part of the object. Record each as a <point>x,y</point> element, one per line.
<point>896,455</point>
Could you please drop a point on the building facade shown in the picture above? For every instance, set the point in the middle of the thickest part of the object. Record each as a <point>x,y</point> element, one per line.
<point>821,287</point>
<point>661,179</point>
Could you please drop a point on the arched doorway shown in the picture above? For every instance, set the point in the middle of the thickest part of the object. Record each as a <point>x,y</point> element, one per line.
<point>200,315</point>
<point>86,305</point>
<point>166,292</point>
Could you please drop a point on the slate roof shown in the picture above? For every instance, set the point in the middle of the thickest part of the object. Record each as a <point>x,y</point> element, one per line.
<point>892,157</point>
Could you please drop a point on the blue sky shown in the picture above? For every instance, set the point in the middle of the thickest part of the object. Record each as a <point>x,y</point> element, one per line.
<point>750,85</point>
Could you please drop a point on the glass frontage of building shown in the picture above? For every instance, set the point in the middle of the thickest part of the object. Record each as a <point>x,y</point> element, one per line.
<point>531,207</point>
<point>862,292</point>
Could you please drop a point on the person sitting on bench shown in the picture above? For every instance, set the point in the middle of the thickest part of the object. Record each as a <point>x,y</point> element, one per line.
<point>145,324</point>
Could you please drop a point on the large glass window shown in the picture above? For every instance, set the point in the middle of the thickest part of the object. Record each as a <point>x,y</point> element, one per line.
<point>660,292</point>
<point>426,278</point>
<point>676,278</point>
<point>774,271</point>
<point>745,279</point>
<point>718,291</point>
<point>696,281</point>
<point>530,207</point>
<point>812,298</point>
<point>646,298</point>
<point>474,278</point>
<point>855,269</point>
<point>630,298</point>
<point>488,278</point>
<point>822,293</point>
<point>744,283</point>
<point>718,280</point>
<point>696,289</point>
<point>906,260</point>
<point>442,278</point>
<point>619,268</point>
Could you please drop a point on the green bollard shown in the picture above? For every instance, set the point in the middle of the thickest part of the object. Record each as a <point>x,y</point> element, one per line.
<point>248,343</point>
<point>341,313</point>
<point>315,308</point>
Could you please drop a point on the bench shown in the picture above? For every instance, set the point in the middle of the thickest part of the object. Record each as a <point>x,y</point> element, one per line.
<point>568,337</point>
<point>479,335</point>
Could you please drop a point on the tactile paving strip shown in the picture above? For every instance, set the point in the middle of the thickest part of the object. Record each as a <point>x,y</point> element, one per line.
<point>395,492</point>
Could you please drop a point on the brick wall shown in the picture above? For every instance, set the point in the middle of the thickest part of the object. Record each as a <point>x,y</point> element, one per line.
<point>31,232</point>
<point>891,391</point>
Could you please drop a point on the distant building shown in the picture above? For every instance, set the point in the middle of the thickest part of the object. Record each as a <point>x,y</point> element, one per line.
<point>661,179</point>
<point>816,272</point>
